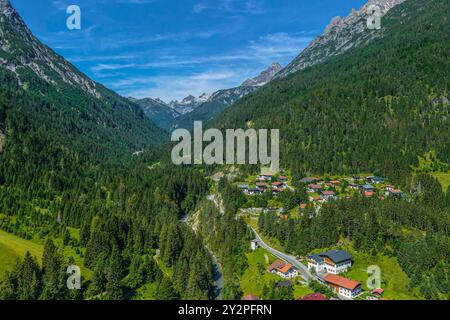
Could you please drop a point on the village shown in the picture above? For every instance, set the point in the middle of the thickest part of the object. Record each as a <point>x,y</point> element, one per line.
<point>321,190</point>
<point>325,268</point>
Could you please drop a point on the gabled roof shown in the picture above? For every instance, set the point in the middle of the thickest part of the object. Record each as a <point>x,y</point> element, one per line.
<point>337,256</point>
<point>341,282</point>
<point>328,193</point>
<point>315,186</point>
<point>286,268</point>
<point>317,258</point>
<point>278,264</point>
<point>379,291</point>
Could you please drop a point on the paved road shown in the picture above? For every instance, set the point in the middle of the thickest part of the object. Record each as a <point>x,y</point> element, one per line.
<point>305,274</point>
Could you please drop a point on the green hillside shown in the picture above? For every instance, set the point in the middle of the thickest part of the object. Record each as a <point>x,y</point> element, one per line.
<point>374,109</point>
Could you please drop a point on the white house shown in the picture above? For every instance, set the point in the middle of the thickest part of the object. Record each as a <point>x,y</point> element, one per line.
<point>283,269</point>
<point>342,286</point>
<point>254,245</point>
<point>334,262</point>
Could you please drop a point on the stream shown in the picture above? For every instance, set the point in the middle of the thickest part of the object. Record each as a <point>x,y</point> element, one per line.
<point>216,268</point>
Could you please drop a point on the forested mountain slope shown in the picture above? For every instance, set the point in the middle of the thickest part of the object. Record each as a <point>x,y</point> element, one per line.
<point>373,109</point>
<point>68,179</point>
<point>42,92</point>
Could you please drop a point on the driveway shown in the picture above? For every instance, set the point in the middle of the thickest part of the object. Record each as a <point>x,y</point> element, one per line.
<point>305,274</point>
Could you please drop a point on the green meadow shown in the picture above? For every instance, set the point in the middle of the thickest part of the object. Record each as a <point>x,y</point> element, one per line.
<point>443,178</point>
<point>13,247</point>
<point>256,276</point>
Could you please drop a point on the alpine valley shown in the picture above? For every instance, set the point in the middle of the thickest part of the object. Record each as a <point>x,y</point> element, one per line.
<point>86,176</point>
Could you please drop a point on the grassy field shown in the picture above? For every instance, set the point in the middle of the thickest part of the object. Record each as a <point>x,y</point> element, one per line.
<point>444,179</point>
<point>13,248</point>
<point>146,292</point>
<point>256,276</point>
<point>394,280</point>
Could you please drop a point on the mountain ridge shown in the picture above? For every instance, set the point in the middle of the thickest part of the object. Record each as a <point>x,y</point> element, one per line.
<point>339,36</point>
<point>206,106</point>
<point>63,96</point>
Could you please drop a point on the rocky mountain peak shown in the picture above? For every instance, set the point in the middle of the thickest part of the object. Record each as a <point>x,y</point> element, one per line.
<point>264,77</point>
<point>339,36</point>
<point>20,49</point>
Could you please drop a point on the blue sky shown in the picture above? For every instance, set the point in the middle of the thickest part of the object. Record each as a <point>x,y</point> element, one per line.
<point>172,48</point>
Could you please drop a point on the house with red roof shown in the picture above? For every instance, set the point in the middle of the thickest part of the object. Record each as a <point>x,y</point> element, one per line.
<point>314,188</point>
<point>328,195</point>
<point>278,186</point>
<point>283,269</point>
<point>342,286</point>
<point>368,194</point>
<point>378,292</point>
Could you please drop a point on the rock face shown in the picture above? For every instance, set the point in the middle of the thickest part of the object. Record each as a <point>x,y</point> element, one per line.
<point>65,103</point>
<point>264,77</point>
<point>341,35</point>
<point>19,49</point>
<point>188,104</point>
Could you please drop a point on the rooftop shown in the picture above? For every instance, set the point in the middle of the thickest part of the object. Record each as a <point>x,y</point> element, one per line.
<point>341,282</point>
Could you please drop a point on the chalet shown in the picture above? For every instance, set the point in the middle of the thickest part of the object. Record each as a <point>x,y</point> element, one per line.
<point>342,286</point>
<point>254,245</point>
<point>335,182</point>
<point>243,187</point>
<point>368,194</point>
<point>328,195</point>
<point>283,179</point>
<point>254,191</point>
<point>376,180</point>
<point>317,199</point>
<point>265,177</point>
<point>368,187</point>
<point>353,186</point>
<point>314,188</point>
<point>261,186</point>
<point>302,207</point>
<point>283,269</point>
<point>379,292</point>
<point>390,188</point>
<point>395,193</point>
<point>314,297</point>
<point>333,262</point>
<point>308,180</point>
<point>277,186</point>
